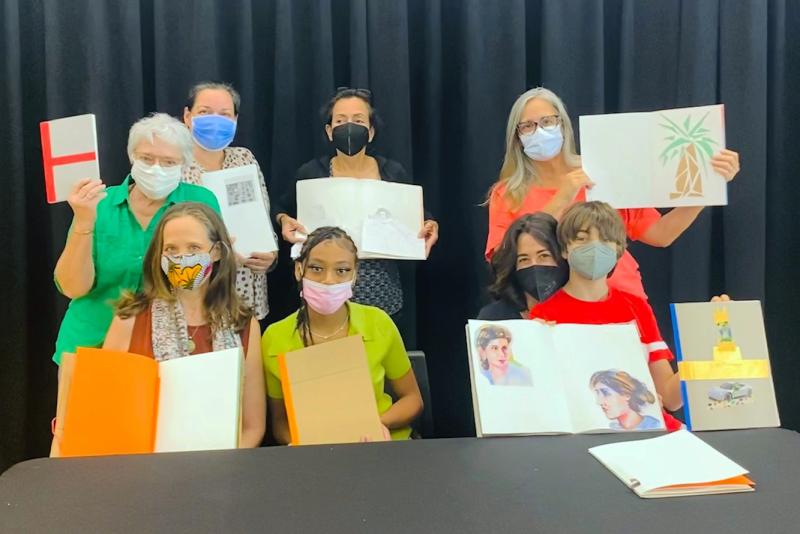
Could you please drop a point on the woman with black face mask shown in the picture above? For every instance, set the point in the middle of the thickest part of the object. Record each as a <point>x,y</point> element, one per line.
<point>527,268</point>
<point>350,122</point>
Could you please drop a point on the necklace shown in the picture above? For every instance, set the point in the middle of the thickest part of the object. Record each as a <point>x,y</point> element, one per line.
<point>190,344</point>
<point>325,338</point>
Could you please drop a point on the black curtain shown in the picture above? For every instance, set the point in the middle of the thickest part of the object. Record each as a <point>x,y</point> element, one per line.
<point>444,74</point>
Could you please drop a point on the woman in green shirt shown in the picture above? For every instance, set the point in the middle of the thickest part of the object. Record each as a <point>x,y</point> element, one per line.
<point>112,227</point>
<point>326,271</point>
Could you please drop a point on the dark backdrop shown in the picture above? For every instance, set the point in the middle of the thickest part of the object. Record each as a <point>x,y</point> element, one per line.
<point>444,74</point>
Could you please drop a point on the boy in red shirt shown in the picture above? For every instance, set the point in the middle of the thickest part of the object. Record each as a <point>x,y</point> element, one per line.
<point>592,238</point>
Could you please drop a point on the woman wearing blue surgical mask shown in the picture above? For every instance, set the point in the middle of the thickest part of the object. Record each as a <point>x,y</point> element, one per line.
<point>542,172</point>
<point>325,272</point>
<point>350,121</point>
<point>211,114</point>
<point>112,227</point>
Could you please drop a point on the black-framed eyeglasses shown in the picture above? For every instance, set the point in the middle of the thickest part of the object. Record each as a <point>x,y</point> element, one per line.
<point>354,91</point>
<point>547,122</point>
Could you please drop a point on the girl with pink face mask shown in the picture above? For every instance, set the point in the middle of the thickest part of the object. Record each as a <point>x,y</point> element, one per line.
<point>326,271</point>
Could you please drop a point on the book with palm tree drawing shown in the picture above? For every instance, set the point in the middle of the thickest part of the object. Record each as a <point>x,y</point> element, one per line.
<point>532,378</point>
<point>655,159</point>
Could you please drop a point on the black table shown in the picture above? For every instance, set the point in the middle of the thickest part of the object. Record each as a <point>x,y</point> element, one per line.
<point>535,484</point>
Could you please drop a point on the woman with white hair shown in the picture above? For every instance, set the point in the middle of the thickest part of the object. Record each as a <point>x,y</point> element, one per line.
<point>112,226</point>
<point>542,172</point>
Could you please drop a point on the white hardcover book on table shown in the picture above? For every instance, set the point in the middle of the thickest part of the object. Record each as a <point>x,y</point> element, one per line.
<point>658,159</point>
<point>675,465</point>
<point>243,207</point>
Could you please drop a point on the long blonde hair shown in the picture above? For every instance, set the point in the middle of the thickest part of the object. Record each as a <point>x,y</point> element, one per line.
<point>221,303</point>
<point>518,172</point>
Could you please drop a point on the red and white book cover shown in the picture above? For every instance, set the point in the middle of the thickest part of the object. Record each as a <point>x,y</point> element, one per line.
<point>69,151</point>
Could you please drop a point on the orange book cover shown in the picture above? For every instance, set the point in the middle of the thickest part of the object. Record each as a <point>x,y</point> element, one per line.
<point>125,421</point>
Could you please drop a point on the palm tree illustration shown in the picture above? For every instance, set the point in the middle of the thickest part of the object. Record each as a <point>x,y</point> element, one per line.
<point>692,145</point>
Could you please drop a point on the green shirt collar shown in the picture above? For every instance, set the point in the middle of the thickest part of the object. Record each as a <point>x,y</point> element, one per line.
<point>118,195</point>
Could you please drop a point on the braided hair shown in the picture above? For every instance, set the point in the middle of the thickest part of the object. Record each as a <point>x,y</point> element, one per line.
<point>318,236</point>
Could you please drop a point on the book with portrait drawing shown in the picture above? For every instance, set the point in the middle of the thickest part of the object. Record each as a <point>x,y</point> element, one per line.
<point>532,378</point>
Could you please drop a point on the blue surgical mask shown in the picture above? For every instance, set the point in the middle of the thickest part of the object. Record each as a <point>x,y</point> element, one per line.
<point>543,144</point>
<point>213,132</point>
<point>593,260</point>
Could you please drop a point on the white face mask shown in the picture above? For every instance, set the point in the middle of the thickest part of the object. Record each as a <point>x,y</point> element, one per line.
<point>543,144</point>
<point>154,181</point>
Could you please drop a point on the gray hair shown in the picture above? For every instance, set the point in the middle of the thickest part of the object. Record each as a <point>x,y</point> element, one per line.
<point>518,172</point>
<point>167,128</point>
<point>223,86</point>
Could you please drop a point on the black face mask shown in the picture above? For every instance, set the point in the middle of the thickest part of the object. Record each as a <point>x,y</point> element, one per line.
<point>350,138</point>
<point>541,281</point>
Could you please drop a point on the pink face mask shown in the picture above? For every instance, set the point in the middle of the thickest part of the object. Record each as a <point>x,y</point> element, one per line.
<point>326,299</point>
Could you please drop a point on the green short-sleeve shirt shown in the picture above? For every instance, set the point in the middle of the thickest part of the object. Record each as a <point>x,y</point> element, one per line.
<point>118,249</point>
<point>386,354</point>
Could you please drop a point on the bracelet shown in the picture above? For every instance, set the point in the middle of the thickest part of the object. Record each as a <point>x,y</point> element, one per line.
<point>85,232</point>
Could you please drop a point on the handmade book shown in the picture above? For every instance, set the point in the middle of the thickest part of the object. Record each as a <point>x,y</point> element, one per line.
<point>69,151</point>
<point>531,378</point>
<point>698,469</point>
<point>656,159</point>
<point>113,402</point>
<point>244,210</point>
<point>723,361</point>
<point>383,218</point>
<point>329,393</point>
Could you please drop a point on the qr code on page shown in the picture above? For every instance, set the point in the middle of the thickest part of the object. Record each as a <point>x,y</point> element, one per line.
<point>240,192</point>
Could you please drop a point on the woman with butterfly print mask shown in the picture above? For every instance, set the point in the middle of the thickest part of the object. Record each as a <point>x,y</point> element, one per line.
<point>326,273</point>
<point>112,227</point>
<point>189,305</point>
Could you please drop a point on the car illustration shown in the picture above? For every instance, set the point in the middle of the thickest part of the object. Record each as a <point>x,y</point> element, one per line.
<point>730,391</point>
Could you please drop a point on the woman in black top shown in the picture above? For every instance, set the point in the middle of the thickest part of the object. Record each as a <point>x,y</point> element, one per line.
<point>350,126</point>
<point>527,268</point>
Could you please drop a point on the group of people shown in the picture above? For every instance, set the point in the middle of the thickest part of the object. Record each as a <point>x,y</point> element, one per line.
<point>150,267</point>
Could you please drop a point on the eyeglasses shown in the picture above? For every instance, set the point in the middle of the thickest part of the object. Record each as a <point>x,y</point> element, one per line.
<point>548,122</point>
<point>353,91</point>
<point>149,159</point>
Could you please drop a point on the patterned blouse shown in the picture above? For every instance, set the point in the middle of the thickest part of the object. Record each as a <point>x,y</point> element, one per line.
<point>251,287</point>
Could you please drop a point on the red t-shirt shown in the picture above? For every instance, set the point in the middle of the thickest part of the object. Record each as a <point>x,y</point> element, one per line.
<point>618,308</point>
<point>637,221</point>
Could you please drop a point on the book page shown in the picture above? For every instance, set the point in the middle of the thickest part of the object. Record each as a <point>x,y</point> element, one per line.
<point>244,211</point>
<point>724,365</point>
<point>390,213</point>
<point>655,159</point>
<point>515,379</point>
<point>606,378</point>
<point>676,458</point>
<point>200,402</point>
<point>111,404</point>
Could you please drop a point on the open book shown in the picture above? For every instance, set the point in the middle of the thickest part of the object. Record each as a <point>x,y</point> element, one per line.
<point>531,378</point>
<point>329,394</point>
<point>658,159</point>
<point>244,210</point>
<point>699,470</point>
<point>383,218</point>
<point>69,153</point>
<point>724,367</point>
<point>113,402</point>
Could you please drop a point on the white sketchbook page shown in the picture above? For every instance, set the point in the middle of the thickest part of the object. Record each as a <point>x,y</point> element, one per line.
<point>200,402</point>
<point>393,220</point>
<point>69,136</point>
<point>348,202</point>
<point>243,207</point>
<point>616,156</point>
<point>676,458</point>
<point>472,364</point>
<point>536,408</point>
<point>622,153</point>
<point>584,350</point>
